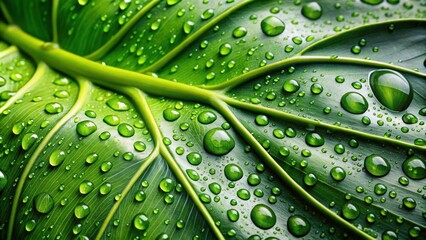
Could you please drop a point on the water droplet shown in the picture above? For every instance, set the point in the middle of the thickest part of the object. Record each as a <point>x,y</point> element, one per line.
<point>350,211</point>
<point>18,128</point>
<point>141,222</point>
<point>314,139</point>
<point>106,166</point>
<point>139,146</point>
<point>167,185</point>
<point>188,26</point>
<point>380,189</point>
<point>272,26</point>
<point>233,215</point>
<point>376,165</point>
<point>86,187</point>
<point>30,225</point>
<point>105,188</point>
<point>338,173</point>
<point>207,14</point>
<point>243,194</point>
<point>291,86</point>
<point>112,120</point>
<point>387,235</point>
<point>82,2</point>
<point>194,158</point>
<point>62,94</point>
<point>414,232</point>
<point>391,88</point>
<point>43,203</point>
<point>86,127</point>
<point>215,188</point>
<point>28,140</point>
<point>218,141</point>
<point>409,118</point>
<point>415,168</point>
<point>172,2</point>
<point>207,117</point>
<point>140,196</point>
<point>316,88</point>
<point>239,32</point>
<point>312,10</point>
<point>91,158</point>
<point>354,102</point>
<point>57,157</point>
<point>81,211</point>
<point>310,179</point>
<point>233,172</point>
<point>225,49</point>
<point>126,130</point>
<point>192,174</point>
<point>3,181</point>
<point>262,120</point>
<point>263,216</point>
<point>298,225</point>
<point>118,104</point>
<point>372,2</point>
<point>409,203</point>
<point>171,114</point>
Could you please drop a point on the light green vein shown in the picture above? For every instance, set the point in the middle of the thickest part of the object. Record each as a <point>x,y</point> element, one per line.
<point>99,53</point>
<point>237,81</point>
<point>41,69</point>
<point>196,35</point>
<point>142,106</point>
<point>296,119</point>
<point>85,87</point>
<point>268,160</point>
<point>55,5</point>
<point>6,13</point>
<point>8,51</point>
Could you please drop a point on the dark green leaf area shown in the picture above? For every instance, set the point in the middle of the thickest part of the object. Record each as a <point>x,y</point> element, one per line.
<point>28,126</point>
<point>76,172</point>
<point>203,64</point>
<point>342,95</point>
<point>237,189</point>
<point>168,210</point>
<point>405,46</point>
<point>340,175</point>
<point>32,15</point>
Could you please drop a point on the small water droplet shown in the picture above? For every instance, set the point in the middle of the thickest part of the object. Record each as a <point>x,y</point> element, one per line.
<point>3,180</point>
<point>118,104</point>
<point>126,130</point>
<point>239,32</point>
<point>233,172</point>
<point>86,187</point>
<point>81,211</point>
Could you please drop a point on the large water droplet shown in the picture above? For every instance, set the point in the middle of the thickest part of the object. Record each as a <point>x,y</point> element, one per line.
<point>141,222</point>
<point>86,187</point>
<point>263,216</point>
<point>272,26</point>
<point>118,104</point>
<point>28,140</point>
<point>354,102</point>
<point>312,10</point>
<point>233,172</point>
<point>218,141</point>
<point>56,158</point>
<point>3,181</point>
<point>377,165</point>
<point>298,225</point>
<point>53,108</point>
<point>86,127</point>
<point>314,139</point>
<point>291,86</point>
<point>414,168</point>
<point>167,185</point>
<point>126,130</point>
<point>171,114</point>
<point>338,173</point>
<point>233,215</point>
<point>350,211</point>
<point>112,120</point>
<point>81,211</point>
<point>391,89</point>
<point>43,203</point>
<point>207,117</point>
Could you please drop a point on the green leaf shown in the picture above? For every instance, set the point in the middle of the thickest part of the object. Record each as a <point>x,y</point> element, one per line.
<point>212,119</point>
